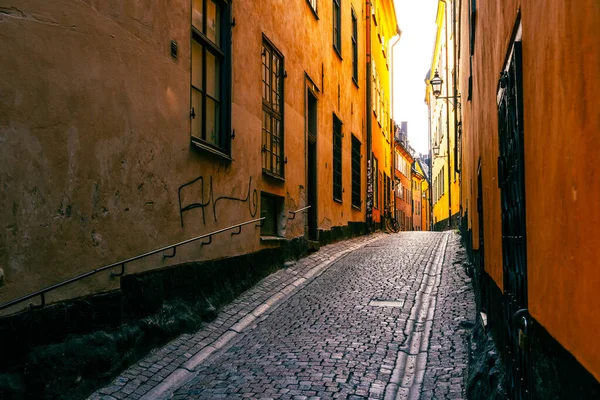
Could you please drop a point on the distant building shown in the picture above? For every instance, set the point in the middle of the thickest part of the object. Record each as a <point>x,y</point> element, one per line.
<point>403,181</point>
<point>443,121</point>
<point>421,168</point>
<point>417,199</point>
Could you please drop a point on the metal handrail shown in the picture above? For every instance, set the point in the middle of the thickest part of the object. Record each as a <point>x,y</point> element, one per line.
<point>296,212</point>
<point>42,292</point>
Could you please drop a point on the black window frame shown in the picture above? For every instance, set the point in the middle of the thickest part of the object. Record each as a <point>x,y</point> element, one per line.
<point>337,159</point>
<point>222,53</point>
<point>354,48</point>
<point>356,173</point>
<point>314,8</point>
<point>337,26</point>
<point>272,111</point>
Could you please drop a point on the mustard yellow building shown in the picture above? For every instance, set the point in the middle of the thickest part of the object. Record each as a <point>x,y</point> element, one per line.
<point>382,27</point>
<point>424,200</point>
<point>444,117</point>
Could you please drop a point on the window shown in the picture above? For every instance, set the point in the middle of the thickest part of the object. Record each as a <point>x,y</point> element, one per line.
<point>354,48</point>
<point>210,75</point>
<point>337,159</point>
<point>337,26</point>
<point>272,128</point>
<point>375,184</point>
<point>271,208</point>
<point>355,172</point>
<point>472,23</point>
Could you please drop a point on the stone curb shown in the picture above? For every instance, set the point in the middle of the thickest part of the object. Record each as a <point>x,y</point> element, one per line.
<point>186,371</point>
<point>409,371</point>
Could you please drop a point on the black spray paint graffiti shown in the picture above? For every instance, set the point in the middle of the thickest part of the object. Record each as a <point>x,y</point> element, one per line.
<point>252,205</point>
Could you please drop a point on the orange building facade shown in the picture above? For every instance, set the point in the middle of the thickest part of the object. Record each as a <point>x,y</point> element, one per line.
<point>526,75</point>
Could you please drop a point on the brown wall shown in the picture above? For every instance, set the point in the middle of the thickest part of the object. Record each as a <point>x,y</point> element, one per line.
<point>95,133</point>
<point>561,122</point>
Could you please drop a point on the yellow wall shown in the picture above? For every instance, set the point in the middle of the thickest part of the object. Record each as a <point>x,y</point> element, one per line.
<point>383,29</point>
<point>561,158</point>
<point>424,198</point>
<point>442,123</point>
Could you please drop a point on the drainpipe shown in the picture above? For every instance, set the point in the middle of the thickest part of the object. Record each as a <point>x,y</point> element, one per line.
<point>430,170</point>
<point>369,157</point>
<point>448,120</point>
<point>393,174</point>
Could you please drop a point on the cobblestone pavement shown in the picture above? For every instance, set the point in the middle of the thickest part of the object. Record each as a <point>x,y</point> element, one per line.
<point>353,320</point>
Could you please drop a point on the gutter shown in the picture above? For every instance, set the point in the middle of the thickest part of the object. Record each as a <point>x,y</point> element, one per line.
<point>369,150</point>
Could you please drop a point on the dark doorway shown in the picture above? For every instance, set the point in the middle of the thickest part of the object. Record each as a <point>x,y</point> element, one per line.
<point>511,181</point>
<point>311,166</point>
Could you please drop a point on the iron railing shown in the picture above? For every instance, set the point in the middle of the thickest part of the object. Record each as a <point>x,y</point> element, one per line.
<point>42,292</point>
<point>296,212</point>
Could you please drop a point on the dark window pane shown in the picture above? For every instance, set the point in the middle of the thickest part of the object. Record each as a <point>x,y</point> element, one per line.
<point>356,172</point>
<point>337,159</point>
<point>197,14</point>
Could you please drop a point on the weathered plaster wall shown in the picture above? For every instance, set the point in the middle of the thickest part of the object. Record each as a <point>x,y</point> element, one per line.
<point>561,125</point>
<point>562,142</point>
<point>95,133</point>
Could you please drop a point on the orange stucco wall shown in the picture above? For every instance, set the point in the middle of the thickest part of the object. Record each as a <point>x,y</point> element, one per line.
<point>95,133</point>
<point>562,142</point>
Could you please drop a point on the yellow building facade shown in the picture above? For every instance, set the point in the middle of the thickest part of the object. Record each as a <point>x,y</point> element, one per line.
<point>443,122</point>
<point>382,27</point>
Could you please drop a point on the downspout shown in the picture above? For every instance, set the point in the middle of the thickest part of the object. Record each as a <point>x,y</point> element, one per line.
<point>448,123</point>
<point>369,156</point>
<point>454,76</point>
<point>430,172</point>
<point>458,163</point>
<point>393,173</point>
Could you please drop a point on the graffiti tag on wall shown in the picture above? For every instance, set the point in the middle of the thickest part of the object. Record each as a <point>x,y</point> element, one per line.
<point>199,183</point>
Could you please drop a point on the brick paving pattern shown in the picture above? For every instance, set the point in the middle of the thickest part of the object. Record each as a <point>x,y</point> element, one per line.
<point>341,323</point>
<point>448,355</point>
<point>152,370</point>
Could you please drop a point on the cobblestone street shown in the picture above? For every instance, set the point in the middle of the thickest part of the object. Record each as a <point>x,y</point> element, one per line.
<point>382,316</point>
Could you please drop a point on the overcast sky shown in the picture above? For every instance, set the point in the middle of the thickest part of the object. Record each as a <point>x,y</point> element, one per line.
<point>412,60</point>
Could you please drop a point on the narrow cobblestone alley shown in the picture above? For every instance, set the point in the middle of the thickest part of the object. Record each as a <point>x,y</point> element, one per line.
<point>353,320</point>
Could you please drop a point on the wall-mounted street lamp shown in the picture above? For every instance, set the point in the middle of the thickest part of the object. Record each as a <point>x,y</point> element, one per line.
<point>436,86</point>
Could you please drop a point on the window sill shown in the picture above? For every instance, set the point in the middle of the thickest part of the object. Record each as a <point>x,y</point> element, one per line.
<point>273,176</point>
<point>272,239</point>
<point>211,150</point>
<point>338,52</point>
<point>313,10</point>
<point>337,200</point>
<point>356,207</point>
<point>355,82</point>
